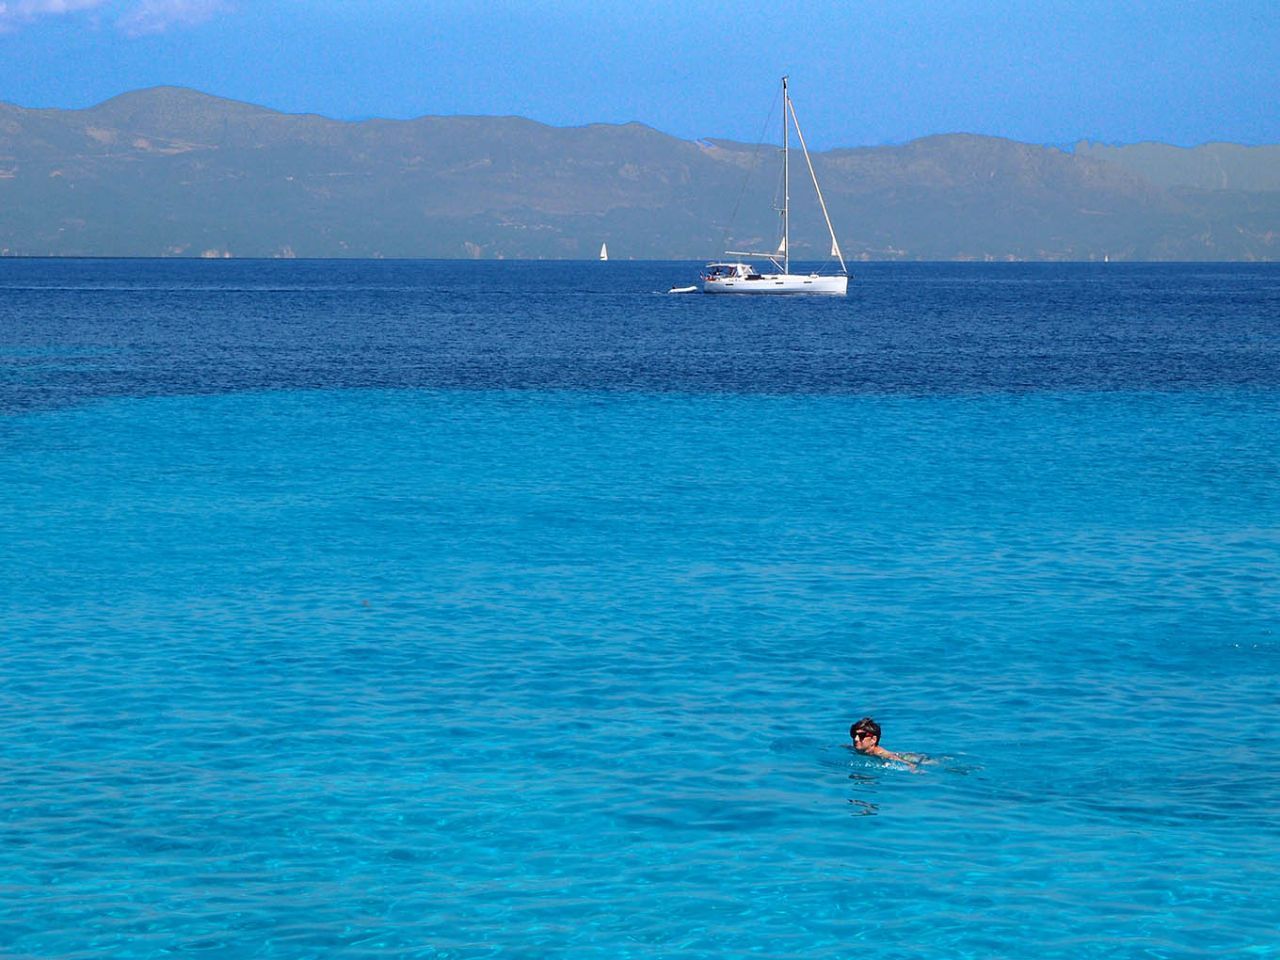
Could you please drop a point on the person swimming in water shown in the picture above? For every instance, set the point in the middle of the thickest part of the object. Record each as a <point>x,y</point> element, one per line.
<point>866,740</point>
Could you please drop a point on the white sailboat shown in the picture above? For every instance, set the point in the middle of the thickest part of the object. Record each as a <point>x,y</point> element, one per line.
<point>739,277</point>
<point>604,251</point>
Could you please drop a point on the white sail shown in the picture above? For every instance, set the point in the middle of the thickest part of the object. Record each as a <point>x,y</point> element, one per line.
<point>604,251</point>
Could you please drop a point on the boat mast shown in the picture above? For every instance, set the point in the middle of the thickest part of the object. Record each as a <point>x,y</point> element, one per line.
<point>835,246</point>
<point>786,181</point>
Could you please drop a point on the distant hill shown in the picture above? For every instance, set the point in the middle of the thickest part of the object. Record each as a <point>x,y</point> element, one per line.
<point>174,172</point>
<point>1214,166</point>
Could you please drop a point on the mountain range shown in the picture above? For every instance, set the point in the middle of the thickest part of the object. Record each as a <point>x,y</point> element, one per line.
<point>173,172</point>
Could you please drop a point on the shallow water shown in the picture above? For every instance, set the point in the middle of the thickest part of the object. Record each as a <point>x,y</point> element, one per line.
<point>362,608</point>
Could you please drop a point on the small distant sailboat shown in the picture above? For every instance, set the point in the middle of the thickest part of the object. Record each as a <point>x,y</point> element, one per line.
<point>740,277</point>
<point>604,251</point>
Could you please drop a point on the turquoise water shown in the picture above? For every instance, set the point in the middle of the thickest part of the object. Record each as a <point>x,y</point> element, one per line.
<point>403,669</point>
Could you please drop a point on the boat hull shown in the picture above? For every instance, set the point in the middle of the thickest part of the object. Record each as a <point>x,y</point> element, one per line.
<point>778,283</point>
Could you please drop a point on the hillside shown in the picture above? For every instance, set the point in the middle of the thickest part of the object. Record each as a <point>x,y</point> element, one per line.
<point>173,172</point>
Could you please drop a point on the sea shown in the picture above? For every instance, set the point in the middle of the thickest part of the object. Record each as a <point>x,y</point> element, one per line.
<point>383,609</point>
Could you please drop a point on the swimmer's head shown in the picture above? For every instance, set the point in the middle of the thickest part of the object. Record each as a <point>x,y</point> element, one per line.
<point>865,733</point>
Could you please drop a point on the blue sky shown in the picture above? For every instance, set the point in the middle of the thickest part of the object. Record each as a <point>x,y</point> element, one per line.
<point>862,72</point>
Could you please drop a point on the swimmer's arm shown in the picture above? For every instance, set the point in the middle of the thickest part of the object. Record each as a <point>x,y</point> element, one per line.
<point>896,757</point>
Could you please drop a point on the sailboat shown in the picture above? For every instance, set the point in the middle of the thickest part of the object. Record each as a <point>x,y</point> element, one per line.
<point>739,277</point>
<point>604,251</point>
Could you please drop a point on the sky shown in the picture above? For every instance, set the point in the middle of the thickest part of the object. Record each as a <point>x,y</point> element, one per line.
<point>863,72</point>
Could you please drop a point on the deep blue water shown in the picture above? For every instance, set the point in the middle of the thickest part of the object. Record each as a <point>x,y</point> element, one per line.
<point>406,609</point>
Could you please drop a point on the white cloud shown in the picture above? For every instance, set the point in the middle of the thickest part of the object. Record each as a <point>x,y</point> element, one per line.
<point>157,16</point>
<point>138,17</point>
<point>16,14</point>
<point>37,8</point>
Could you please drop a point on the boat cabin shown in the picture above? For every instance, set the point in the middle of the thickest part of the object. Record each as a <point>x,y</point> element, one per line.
<point>729,271</point>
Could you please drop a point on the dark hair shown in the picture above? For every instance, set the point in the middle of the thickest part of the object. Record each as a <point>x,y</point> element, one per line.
<point>865,726</point>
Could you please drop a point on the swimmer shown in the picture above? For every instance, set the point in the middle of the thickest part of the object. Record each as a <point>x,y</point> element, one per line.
<point>866,740</point>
